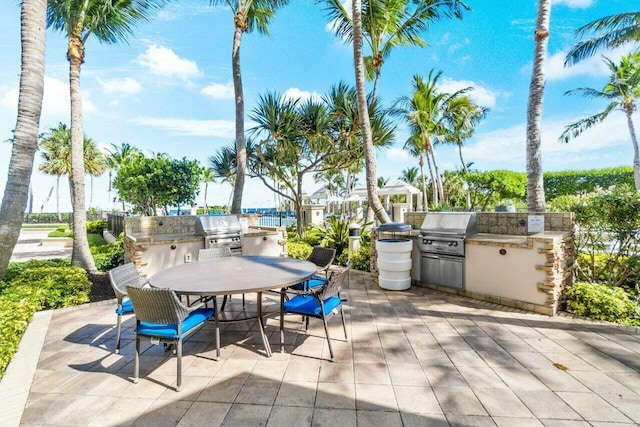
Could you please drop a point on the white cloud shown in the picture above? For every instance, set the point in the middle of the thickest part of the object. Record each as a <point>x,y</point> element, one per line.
<point>184,127</point>
<point>219,91</point>
<point>593,66</point>
<point>573,4</point>
<point>294,93</point>
<point>481,95</point>
<point>505,148</point>
<point>163,61</point>
<point>396,154</point>
<point>126,86</point>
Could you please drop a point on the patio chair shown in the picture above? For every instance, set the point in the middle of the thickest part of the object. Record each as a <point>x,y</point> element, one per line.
<point>120,277</point>
<point>319,302</point>
<point>323,258</point>
<point>161,317</point>
<point>213,253</point>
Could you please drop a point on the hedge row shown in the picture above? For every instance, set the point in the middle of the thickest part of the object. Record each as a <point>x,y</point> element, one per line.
<point>33,286</point>
<point>585,181</point>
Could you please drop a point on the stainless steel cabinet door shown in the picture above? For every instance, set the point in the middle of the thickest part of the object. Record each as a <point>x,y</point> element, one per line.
<point>442,270</point>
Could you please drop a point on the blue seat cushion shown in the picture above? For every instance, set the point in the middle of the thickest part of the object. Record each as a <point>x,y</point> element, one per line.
<point>156,330</point>
<point>311,283</point>
<point>127,307</point>
<point>307,305</point>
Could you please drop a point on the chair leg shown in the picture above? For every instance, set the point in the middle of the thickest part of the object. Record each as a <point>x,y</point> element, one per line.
<point>119,329</point>
<point>179,345</point>
<point>326,331</point>
<point>215,316</point>
<point>136,361</point>
<point>282,321</point>
<point>224,303</point>
<point>344,325</point>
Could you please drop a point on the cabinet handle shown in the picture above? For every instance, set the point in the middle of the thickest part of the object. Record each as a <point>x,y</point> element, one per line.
<point>173,247</point>
<point>502,251</point>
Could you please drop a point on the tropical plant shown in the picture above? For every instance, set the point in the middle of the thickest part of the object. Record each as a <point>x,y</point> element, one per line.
<point>608,33</point>
<point>602,302</point>
<point>248,15</point>
<point>56,156</point>
<point>160,181</point>
<point>207,178</point>
<point>491,187</point>
<point>25,137</point>
<point>109,22</point>
<point>535,185</point>
<point>116,157</point>
<point>387,24</point>
<point>622,92</point>
<point>223,165</point>
<point>410,175</point>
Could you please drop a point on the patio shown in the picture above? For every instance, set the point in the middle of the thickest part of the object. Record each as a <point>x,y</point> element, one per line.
<point>417,357</point>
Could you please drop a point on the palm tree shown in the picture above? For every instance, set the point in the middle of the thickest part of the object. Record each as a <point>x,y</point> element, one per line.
<point>462,116</point>
<point>608,33</point>
<point>25,140</point>
<point>387,24</point>
<point>248,15</point>
<point>535,185</point>
<point>109,22</point>
<point>207,178</point>
<point>622,92</point>
<point>410,175</point>
<point>55,147</point>
<point>363,113</point>
<point>56,156</point>
<point>116,157</point>
<point>223,165</point>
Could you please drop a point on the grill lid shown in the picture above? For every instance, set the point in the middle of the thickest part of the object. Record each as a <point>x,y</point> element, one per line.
<point>218,224</point>
<point>453,223</point>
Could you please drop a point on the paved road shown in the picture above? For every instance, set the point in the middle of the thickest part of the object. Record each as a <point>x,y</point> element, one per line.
<point>30,246</point>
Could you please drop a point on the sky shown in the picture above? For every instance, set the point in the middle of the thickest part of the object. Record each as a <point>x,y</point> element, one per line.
<point>169,90</point>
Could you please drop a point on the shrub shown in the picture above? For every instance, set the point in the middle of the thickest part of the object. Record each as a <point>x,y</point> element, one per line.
<point>96,240</point>
<point>61,232</point>
<point>298,249</point>
<point>313,236</point>
<point>602,302</point>
<point>32,286</point>
<point>108,256</point>
<point>360,259</point>
<point>97,227</point>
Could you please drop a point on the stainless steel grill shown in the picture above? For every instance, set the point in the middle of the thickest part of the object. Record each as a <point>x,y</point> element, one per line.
<point>441,243</point>
<point>220,231</point>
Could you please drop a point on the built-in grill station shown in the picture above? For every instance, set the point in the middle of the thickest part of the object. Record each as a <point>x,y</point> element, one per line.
<point>441,244</point>
<point>220,231</point>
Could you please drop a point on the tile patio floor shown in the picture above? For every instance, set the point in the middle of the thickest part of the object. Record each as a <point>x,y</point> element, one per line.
<point>414,358</point>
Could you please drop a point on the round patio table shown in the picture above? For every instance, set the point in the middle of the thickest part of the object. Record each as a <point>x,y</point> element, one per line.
<point>235,275</point>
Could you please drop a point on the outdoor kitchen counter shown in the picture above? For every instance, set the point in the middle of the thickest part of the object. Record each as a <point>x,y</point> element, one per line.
<point>165,238</point>
<point>515,241</point>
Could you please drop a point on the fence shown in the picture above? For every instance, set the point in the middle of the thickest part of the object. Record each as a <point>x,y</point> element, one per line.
<point>115,223</point>
<point>54,218</point>
<point>276,219</point>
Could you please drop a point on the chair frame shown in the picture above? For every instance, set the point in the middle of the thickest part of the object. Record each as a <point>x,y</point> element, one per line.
<point>323,258</point>
<point>120,277</point>
<point>320,294</point>
<point>162,307</point>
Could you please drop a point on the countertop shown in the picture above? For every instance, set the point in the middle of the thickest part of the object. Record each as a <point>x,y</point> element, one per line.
<point>514,240</point>
<point>161,239</point>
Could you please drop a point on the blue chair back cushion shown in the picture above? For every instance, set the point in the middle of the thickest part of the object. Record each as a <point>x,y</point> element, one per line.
<point>171,331</point>
<point>309,306</point>
<point>127,307</point>
<point>311,283</point>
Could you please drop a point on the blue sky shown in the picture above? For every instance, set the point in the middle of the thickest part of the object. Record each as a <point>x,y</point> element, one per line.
<point>169,90</point>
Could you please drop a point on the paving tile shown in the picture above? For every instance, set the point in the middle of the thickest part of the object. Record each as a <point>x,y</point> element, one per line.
<point>335,395</point>
<point>243,415</point>
<point>532,360</point>
<point>407,374</point>
<point>416,400</point>
<point>517,422</point>
<point>370,418</point>
<point>258,392</point>
<point>592,407</point>
<point>375,397</point>
<point>421,420</point>
<point>565,423</point>
<point>599,382</point>
<point>163,413</point>
<point>222,390</point>
<point>204,413</point>
<point>297,394</point>
<point>547,404</point>
<point>371,373</point>
<point>520,379</point>
<point>478,378</point>
<point>501,402</point>
<point>122,412</point>
<point>290,416</point>
<point>442,376</point>
<point>323,417</point>
<point>466,358</point>
<point>469,420</point>
<point>336,372</point>
<point>559,380</point>
<point>458,401</point>
<point>627,403</point>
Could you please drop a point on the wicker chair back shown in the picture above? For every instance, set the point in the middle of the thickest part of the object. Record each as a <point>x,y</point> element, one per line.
<point>334,284</point>
<point>160,306</point>
<point>125,275</point>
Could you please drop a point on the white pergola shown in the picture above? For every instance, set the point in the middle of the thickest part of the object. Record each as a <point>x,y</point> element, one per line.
<point>395,189</point>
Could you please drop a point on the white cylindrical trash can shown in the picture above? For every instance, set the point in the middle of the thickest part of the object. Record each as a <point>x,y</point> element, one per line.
<point>394,259</point>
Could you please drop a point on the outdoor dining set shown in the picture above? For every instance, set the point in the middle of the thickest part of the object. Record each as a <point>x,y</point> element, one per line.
<point>173,304</point>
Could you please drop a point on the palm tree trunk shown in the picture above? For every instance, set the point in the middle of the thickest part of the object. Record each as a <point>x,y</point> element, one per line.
<point>241,148</point>
<point>636,152</point>
<point>58,198</point>
<point>363,113</point>
<point>535,185</point>
<point>25,140</point>
<point>434,185</point>
<point>439,185</point>
<point>425,199</point>
<point>80,256</point>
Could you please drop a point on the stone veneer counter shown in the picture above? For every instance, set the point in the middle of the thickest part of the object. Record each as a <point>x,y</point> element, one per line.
<point>516,241</point>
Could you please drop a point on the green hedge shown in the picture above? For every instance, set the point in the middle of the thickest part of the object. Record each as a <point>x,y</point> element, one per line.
<point>96,227</point>
<point>602,302</point>
<point>32,286</point>
<point>108,256</point>
<point>298,249</point>
<point>584,181</point>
